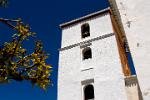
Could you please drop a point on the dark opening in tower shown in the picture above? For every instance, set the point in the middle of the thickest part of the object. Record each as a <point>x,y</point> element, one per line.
<point>89,92</point>
<point>87,53</point>
<point>85,30</point>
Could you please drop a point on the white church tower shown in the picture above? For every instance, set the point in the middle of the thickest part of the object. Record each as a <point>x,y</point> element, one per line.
<point>92,61</point>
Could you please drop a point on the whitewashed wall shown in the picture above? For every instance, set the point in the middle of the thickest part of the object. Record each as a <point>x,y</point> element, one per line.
<point>98,26</point>
<point>109,79</point>
<point>106,72</point>
<point>135,16</point>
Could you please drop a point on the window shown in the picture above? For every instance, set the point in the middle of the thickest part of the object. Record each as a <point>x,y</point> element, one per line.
<point>85,30</point>
<point>87,53</point>
<point>89,92</point>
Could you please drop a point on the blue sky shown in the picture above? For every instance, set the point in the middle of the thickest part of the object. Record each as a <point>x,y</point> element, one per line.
<point>44,17</point>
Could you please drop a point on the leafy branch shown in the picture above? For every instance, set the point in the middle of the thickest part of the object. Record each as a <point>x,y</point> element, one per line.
<point>16,64</point>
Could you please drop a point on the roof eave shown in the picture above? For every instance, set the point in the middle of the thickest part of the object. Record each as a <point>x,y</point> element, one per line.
<point>84,17</point>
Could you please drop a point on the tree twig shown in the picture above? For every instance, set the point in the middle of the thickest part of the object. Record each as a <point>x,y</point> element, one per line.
<point>6,21</point>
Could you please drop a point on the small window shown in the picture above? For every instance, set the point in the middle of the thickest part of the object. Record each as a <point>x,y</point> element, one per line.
<point>85,30</point>
<point>89,92</point>
<point>87,53</point>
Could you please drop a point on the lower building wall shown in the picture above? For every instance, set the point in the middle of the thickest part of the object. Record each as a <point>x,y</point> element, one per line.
<point>110,90</point>
<point>69,84</point>
<point>103,70</point>
<point>109,77</point>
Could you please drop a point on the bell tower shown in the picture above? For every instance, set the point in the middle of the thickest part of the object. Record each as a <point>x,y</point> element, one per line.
<point>90,63</point>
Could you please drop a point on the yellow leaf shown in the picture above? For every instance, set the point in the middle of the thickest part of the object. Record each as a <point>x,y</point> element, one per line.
<point>48,66</point>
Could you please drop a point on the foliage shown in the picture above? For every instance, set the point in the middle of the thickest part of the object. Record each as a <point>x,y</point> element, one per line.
<point>3,3</point>
<point>16,64</point>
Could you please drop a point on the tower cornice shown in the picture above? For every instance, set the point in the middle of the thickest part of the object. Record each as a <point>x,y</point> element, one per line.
<point>87,41</point>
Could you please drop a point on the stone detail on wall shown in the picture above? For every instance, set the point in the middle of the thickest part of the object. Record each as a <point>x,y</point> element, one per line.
<point>85,45</point>
<point>88,41</point>
<point>88,81</point>
<point>147,92</point>
<point>87,69</point>
<point>131,81</point>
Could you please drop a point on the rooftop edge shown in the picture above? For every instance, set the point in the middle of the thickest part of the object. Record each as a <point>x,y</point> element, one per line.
<point>84,17</point>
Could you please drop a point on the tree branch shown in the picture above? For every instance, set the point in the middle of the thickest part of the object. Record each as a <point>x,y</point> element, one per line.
<point>6,21</point>
<point>19,40</point>
<point>28,68</point>
<point>24,58</point>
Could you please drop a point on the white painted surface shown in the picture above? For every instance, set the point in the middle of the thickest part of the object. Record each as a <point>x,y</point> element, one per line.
<point>132,88</point>
<point>132,91</point>
<point>137,12</point>
<point>98,26</point>
<point>109,80</point>
<point>106,72</point>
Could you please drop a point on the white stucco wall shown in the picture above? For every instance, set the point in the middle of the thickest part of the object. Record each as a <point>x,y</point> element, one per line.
<point>69,84</point>
<point>109,79</point>
<point>105,63</point>
<point>72,34</point>
<point>136,21</point>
